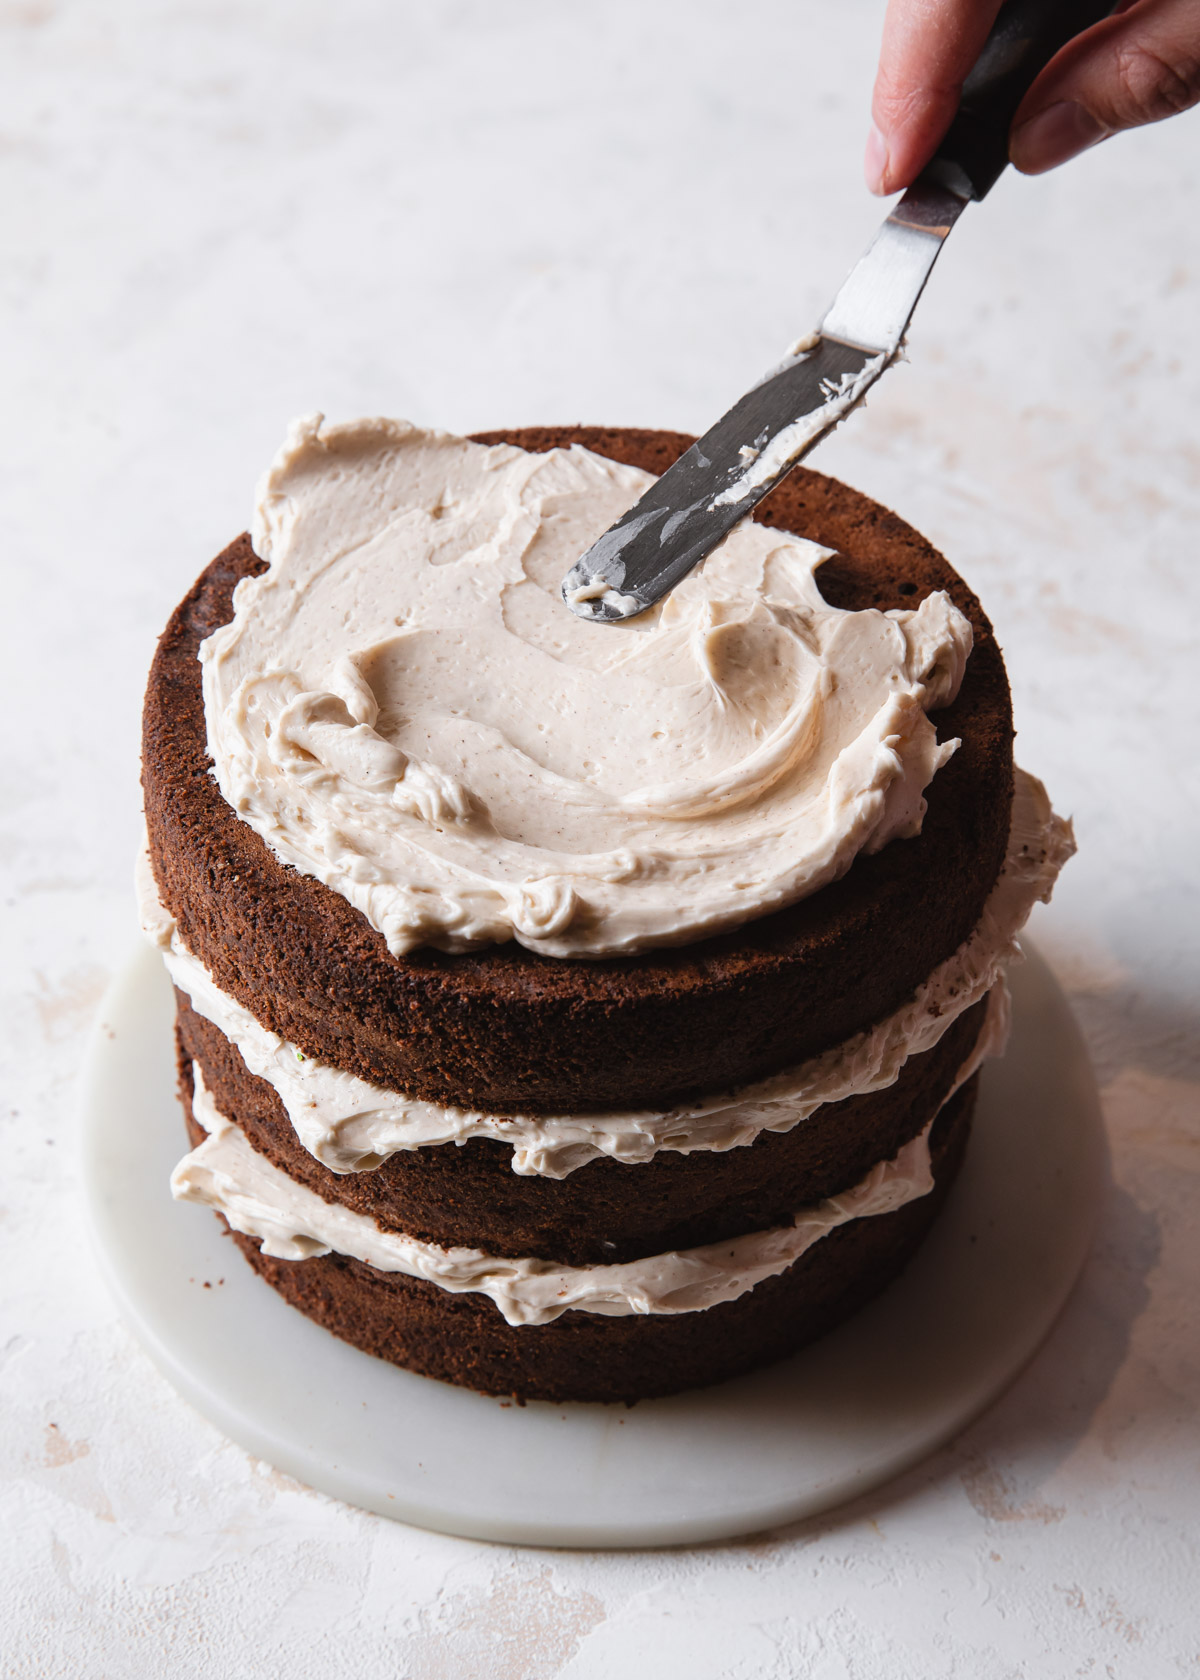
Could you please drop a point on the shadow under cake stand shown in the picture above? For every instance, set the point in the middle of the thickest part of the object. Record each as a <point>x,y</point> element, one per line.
<point>859,1406</point>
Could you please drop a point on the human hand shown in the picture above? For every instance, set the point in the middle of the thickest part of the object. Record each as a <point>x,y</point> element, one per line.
<point>1136,67</point>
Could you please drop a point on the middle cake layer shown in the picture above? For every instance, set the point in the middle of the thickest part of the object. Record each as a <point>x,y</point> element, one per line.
<point>606,1212</point>
<point>292,1223</point>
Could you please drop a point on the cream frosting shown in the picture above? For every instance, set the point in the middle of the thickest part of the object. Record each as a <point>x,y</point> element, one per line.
<point>402,708</point>
<point>294,1223</point>
<point>352,1126</point>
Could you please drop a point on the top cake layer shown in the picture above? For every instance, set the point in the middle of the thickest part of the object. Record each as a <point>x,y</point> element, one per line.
<point>403,710</point>
<point>510,1028</point>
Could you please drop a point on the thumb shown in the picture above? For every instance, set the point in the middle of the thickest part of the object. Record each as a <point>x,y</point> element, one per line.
<point>1134,68</point>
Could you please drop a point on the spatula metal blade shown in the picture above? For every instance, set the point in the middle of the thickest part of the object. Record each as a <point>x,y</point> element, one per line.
<point>721,478</point>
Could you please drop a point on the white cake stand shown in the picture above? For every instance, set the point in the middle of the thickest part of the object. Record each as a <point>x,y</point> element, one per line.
<point>837,1419</point>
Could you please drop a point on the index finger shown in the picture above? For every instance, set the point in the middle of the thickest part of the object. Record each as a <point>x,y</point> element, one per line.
<point>928,48</point>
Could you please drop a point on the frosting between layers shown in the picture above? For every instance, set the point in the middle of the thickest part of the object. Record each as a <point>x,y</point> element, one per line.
<point>352,1126</point>
<point>403,708</point>
<point>294,1223</point>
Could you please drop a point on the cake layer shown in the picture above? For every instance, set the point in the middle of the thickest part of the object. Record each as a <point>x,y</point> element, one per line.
<point>294,1223</point>
<point>507,1030</point>
<point>582,1355</point>
<point>607,1211</point>
<point>351,1126</point>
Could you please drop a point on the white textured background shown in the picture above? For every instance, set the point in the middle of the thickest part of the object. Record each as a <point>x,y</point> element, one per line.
<point>218,213</point>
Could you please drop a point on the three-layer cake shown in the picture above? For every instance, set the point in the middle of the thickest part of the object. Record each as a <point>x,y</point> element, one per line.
<point>572,1011</point>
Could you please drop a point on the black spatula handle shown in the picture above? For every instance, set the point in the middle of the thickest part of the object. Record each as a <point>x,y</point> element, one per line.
<point>1026,36</point>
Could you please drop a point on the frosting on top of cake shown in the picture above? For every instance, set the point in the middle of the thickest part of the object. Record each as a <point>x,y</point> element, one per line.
<point>403,707</point>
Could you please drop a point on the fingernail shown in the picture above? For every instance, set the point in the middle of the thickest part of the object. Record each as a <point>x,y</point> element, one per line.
<point>875,163</point>
<point>1059,132</point>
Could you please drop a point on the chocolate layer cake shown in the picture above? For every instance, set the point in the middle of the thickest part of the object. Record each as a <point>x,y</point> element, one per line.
<point>546,1136</point>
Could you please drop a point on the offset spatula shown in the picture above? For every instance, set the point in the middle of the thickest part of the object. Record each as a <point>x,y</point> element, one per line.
<point>685,513</point>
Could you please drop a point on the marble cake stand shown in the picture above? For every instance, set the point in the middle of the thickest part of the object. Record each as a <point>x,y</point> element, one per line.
<point>834,1421</point>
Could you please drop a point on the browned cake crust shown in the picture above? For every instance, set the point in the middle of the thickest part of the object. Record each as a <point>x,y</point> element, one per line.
<point>604,1212</point>
<point>510,1031</point>
<point>463,1339</point>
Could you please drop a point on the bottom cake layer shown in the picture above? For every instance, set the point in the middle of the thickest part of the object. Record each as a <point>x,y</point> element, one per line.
<point>464,1339</point>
